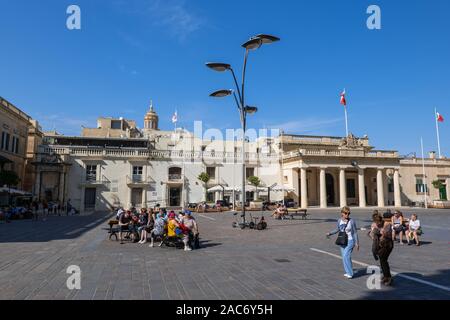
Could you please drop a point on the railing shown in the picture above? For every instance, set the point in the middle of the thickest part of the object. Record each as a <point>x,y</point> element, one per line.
<point>156,154</point>
<point>174,177</point>
<point>340,153</point>
<point>138,179</point>
<point>219,155</point>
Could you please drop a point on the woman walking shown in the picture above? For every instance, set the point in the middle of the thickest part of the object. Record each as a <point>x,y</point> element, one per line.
<point>382,246</point>
<point>347,240</point>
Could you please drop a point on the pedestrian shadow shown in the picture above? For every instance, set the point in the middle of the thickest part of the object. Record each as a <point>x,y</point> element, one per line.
<point>413,286</point>
<point>208,244</point>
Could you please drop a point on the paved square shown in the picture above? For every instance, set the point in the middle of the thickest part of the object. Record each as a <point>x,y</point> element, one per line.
<point>289,260</point>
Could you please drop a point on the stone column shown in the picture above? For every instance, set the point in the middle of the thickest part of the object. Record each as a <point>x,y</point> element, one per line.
<point>380,188</point>
<point>130,194</point>
<point>303,189</point>
<point>83,188</point>
<point>144,197</point>
<point>61,188</point>
<point>293,175</point>
<point>342,188</point>
<point>37,186</point>
<point>361,189</point>
<point>397,196</point>
<point>323,188</point>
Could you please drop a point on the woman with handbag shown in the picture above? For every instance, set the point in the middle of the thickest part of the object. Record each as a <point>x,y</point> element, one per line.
<point>347,240</point>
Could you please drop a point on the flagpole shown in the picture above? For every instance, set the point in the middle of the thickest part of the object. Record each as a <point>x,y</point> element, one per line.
<point>424,177</point>
<point>282,165</point>
<point>346,121</point>
<point>437,132</point>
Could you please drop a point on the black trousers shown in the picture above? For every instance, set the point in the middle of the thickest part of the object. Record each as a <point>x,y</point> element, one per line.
<point>383,254</point>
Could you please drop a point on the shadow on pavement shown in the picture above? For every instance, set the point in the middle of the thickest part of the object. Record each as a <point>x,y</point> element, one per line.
<point>54,228</point>
<point>407,289</point>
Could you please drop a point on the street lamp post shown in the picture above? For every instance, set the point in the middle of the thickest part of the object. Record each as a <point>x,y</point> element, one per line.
<point>252,44</point>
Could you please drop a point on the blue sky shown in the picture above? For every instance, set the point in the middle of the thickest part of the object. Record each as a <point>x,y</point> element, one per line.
<point>129,52</point>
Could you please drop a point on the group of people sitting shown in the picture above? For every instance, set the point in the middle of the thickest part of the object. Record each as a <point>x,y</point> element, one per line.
<point>410,228</point>
<point>159,224</point>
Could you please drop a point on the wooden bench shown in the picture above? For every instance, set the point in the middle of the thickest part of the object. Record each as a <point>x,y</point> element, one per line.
<point>291,212</point>
<point>114,230</point>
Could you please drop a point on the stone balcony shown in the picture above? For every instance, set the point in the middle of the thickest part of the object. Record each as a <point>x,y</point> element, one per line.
<point>103,153</point>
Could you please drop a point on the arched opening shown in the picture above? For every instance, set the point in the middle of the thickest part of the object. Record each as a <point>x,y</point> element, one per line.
<point>174,173</point>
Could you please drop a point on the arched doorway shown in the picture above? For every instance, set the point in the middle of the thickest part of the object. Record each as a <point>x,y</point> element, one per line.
<point>330,188</point>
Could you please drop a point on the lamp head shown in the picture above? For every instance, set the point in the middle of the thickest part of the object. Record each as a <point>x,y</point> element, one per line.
<point>217,66</point>
<point>251,110</point>
<point>221,93</point>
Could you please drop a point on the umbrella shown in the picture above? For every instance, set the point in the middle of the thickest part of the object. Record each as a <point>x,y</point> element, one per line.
<point>279,188</point>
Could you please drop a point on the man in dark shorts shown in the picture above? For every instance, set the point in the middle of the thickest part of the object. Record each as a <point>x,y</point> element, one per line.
<point>124,223</point>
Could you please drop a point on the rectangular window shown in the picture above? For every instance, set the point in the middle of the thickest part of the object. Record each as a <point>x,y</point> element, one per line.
<point>13,144</point>
<point>17,145</point>
<point>250,172</point>
<point>137,170</point>
<point>7,136</point>
<point>116,124</point>
<point>420,186</point>
<point>91,172</point>
<point>211,171</point>
<point>351,190</point>
<point>3,139</point>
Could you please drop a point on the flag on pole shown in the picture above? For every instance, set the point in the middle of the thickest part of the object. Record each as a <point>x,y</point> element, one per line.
<point>175,117</point>
<point>343,101</point>
<point>439,117</point>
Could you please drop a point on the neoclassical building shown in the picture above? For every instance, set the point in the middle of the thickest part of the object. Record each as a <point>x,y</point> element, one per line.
<point>116,164</point>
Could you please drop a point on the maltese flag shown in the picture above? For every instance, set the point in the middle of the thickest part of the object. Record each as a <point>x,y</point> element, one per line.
<point>439,117</point>
<point>343,101</point>
<point>175,117</point>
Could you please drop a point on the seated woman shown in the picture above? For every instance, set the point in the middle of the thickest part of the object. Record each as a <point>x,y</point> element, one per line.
<point>144,220</point>
<point>279,212</point>
<point>397,222</point>
<point>158,229</point>
<point>176,230</point>
<point>414,230</point>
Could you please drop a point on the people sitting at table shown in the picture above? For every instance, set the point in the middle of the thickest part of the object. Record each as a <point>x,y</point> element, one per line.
<point>398,227</point>
<point>414,230</point>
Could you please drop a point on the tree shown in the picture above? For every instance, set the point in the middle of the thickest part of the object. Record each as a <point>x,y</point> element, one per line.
<point>439,185</point>
<point>9,178</point>
<point>204,178</point>
<point>255,181</point>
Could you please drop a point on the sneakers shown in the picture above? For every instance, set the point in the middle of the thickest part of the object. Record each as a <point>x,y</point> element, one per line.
<point>187,249</point>
<point>348,276</point>
<point>151,245</point>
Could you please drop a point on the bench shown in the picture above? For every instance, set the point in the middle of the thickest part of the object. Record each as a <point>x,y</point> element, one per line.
<point>114,230</point>
<point>291,212</point>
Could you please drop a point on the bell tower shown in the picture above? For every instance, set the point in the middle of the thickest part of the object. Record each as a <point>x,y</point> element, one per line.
<point>151,119</point>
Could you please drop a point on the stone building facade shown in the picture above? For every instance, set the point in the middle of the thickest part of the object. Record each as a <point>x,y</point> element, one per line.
<point>100,172</point>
